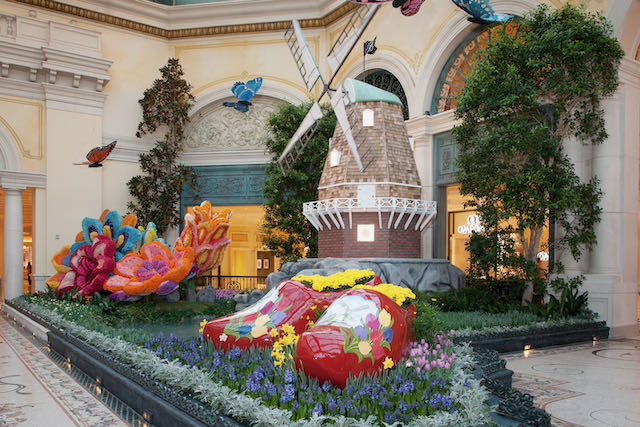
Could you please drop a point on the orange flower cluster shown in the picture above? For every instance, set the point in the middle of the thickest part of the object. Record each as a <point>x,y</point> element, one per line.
<point>205,231</point>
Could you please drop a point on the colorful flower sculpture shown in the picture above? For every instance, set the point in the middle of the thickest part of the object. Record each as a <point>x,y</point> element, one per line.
<point>121,230</point>
<point>90,266</point>
<point>205,231</point>
<point>58,263</point>
<point>154,269</point>
<point>362,332</point>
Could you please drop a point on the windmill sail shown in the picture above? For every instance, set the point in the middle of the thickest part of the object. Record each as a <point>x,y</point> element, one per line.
<point>349,36</point>
<point>300,139</point>
<point>302,55</point>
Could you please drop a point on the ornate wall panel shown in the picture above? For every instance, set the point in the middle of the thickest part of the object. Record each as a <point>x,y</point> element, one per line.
<point>219,128</point>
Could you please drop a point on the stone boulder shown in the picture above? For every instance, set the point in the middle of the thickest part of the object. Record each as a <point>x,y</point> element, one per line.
<point>422,275</point>
<point>207,294</point>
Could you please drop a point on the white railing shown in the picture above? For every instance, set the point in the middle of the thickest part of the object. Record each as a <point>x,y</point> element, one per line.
<point>328,213</point>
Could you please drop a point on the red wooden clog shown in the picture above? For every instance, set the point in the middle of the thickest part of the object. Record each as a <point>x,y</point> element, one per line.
<point>354,336</point>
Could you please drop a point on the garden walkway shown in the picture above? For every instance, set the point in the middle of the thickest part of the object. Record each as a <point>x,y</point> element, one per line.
<point>37,391</point>
<point>591,384</point>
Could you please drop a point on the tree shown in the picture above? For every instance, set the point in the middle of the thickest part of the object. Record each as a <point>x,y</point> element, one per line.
<point>165,105</point>
<point>287,231</point>
<point>527,95</point>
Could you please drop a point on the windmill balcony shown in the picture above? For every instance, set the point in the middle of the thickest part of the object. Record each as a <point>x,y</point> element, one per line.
<point>398,212</point>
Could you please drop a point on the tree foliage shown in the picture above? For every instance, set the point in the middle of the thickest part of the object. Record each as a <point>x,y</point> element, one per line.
<point>530,92</point>
<point>287,231</point>
<point>165,106</point>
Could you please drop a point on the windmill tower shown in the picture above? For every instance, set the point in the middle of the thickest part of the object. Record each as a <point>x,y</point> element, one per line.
<point>369,194</point>
<point>377,212</point>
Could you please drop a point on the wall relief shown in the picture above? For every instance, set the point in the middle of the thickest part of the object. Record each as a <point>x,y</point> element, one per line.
<point>219,128</point>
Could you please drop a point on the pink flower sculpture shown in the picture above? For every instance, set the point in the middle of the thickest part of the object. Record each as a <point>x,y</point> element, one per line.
<point>205,231</point>
<point>155,269</point>
<point>90,267</point>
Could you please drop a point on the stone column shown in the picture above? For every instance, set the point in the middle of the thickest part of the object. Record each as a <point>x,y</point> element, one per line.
<point>13,280</point>
<point>580,155</point>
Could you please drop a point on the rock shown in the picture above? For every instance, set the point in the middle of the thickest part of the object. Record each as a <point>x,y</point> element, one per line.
<point>255,296</point>
<point>191,294</point>
<point>207,294</point>
<point>241,298</point>
<point>418,274</point>
<point>276,278</point>
<point>172,296</point>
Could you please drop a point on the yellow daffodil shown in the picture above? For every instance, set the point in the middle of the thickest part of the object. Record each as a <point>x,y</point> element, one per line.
<point>388,363</point>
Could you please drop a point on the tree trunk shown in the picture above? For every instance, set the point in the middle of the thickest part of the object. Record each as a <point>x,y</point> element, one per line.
<point>530,253</point>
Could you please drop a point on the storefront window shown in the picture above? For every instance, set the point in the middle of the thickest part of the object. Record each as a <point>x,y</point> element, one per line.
<point>462,221</point>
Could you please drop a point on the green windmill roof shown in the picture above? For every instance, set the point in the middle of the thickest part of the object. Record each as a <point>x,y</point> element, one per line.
<point>362,92</point>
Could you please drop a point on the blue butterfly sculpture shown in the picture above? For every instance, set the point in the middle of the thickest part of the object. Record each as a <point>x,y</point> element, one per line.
<point>244,92</point>
<point>481,11</point>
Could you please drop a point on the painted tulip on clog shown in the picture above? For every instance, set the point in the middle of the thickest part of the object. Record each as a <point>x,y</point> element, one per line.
<point>289,302</point>
<point>354,336</point>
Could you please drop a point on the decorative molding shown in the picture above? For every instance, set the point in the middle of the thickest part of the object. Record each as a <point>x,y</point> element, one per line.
<point>129,149</point>
<point>431,125</point>
<point>73,99</point>
<point>57,62</point>
<point>189,14</point>
<point>227,185</point>
<point>15,180</point>
<point>629,72</point>
<point>39,129</point>
<point>220,128</point>
<point>246,157</point>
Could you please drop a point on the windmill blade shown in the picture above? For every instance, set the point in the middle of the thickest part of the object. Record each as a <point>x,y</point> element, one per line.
<point>355,133</point>
<point>350,35</point>
<point>302,55</point>
<point>301,138</point>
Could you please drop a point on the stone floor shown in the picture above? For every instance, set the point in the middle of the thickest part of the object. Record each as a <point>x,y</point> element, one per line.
<point>591,384</point>
<point>37,390</point>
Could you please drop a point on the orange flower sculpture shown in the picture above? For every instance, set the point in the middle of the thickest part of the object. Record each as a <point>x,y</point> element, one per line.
<point>58,263</point>
<point>205,231</point>
<point>154,269</point>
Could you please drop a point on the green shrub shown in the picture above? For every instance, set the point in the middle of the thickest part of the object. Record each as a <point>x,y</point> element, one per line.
<point>569,303</point>
<point>479,320</point>
<point>428,322</point>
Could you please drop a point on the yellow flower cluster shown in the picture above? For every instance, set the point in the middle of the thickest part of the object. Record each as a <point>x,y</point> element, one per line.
<point>202,325</point>
<point>342,280</point>
<point>396,293</point>
<point>284,346</point>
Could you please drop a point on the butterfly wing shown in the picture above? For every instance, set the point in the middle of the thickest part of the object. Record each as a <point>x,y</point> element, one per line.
<point>254,85</point>
<point>238,89</point>
<point>241,106</point>
<point>479,9</point>
<point>99,154</point>
<point>411,7</point>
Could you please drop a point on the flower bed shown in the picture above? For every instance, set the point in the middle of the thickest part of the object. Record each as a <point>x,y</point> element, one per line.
<point>248,387</point>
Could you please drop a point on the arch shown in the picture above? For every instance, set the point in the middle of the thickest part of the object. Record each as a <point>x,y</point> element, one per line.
<point>385,80</point>
<point>448,40</point>
<point>9,156</point>
<point>270,87</point>
<point>394,64</point>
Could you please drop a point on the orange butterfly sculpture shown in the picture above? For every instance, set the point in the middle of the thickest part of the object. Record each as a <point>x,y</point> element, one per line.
<point>97,155</point>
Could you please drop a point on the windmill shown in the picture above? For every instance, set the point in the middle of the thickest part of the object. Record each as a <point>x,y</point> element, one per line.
<point>356,135</point>
<point>369,193</point>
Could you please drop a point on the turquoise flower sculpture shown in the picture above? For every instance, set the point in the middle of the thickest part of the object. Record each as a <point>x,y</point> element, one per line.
<point>123,232</point>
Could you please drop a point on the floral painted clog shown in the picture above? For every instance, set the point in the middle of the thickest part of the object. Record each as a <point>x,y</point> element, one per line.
<point>355,335</point>
<point>255,326</point>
